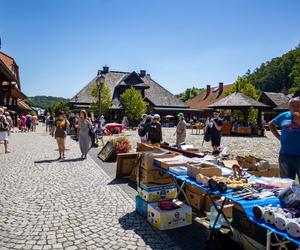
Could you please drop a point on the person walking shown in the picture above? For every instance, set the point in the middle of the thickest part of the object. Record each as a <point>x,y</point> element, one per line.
<point>10,122</point>
<point>215,127</point>
<point>142,129</point>
<point>289,155</point>
<point>28,123</point>
<point>23,123</point>
<point>34,123</point>
<point>60,133</point>
<point>155,131</point>
<point>4,127</point>
<point>180,130</point>
<point>51,124</point>
<point>85,124</point>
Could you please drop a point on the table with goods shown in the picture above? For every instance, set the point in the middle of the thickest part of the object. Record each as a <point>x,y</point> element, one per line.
<point>239,193</point>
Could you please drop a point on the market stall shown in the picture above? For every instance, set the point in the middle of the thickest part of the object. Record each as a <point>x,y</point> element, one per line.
<point>239,101</point>
<point>173,183</point>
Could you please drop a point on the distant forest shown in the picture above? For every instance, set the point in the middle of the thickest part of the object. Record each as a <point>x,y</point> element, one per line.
<point>271,76</point>
<point>45,101</point>
<point>278,73</point>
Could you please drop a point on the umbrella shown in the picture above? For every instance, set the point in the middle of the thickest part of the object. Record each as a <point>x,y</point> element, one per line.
<point>169,116</point>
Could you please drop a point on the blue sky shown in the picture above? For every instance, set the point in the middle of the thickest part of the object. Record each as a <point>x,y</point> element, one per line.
<point>60,44</point>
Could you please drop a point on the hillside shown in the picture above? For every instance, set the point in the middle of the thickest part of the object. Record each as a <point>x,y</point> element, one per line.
<point>44,101</point>
<point>278,73</point>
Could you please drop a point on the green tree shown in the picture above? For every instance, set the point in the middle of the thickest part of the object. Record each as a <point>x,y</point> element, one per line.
<point>106,99</point>
<point>189,93</point>
<point>60,106</point>
<point>134,104</point>
<point>244,85</point>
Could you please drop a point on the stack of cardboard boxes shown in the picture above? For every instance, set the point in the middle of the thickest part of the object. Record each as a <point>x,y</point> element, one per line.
<point>154,186</point>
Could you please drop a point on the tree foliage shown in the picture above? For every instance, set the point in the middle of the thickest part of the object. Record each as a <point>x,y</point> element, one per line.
<point>189,93</point>
<point>44,102</point>
<point>278,73</point>
<point>134,104</point>
<point>244,85</point>
<point>60,106</point>
<point>106,99</point>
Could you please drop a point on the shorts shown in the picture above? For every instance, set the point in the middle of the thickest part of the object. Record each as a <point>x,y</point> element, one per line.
<point>216,142</point>
<point>3,135</point>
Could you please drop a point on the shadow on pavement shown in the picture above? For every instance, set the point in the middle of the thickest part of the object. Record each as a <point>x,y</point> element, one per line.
<point>45,161</point>
<point>72,160</point>
<point>189,237</point>
<point>123,181</point>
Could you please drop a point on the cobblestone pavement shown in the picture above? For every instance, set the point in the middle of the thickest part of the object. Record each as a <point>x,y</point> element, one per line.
<point>70,204</point>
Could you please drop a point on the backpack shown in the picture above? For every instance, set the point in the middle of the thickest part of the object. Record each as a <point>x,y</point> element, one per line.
<point>142,130</point>
<point>3,124</point>
<point>154,133</point>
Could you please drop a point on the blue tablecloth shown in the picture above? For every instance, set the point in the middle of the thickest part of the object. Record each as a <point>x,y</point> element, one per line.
<point>247,205</point>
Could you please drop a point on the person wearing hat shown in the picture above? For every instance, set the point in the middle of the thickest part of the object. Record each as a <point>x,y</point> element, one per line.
<point>215,127</point>
<point>180,130</point>
<point>60,133</point>
<point>155,131</point>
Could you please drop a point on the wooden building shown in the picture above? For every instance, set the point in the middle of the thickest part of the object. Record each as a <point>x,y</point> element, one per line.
<point>159,100</point>
<point>277,102</point>
<point>211,95</point>
<point>11,96</point>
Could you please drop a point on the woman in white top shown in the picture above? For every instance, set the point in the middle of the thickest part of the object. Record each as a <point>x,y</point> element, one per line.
<point>4,127</point>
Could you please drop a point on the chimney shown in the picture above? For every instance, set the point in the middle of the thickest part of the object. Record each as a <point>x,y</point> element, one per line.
<point>221,87</point>
<point>105,69</point>
<point>285,91</point>
<point>207,90</point>
<point>142,73</point>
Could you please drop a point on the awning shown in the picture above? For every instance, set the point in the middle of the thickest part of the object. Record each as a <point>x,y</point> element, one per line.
<point>24,106</point>
<point>18,93</point>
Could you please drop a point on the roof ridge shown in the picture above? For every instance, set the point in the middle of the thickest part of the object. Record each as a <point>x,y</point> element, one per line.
<point>122,72</point>
<point>7,55</point>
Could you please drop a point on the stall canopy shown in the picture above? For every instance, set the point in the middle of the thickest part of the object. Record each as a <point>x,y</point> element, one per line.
<point>237,100</point>
<point>22,105</point>
<point>240,101</point>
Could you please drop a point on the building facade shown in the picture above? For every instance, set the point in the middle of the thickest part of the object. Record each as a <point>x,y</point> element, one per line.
<point>158,99</point>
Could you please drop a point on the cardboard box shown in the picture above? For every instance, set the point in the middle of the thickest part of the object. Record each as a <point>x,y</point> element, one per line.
<point>195,190</point>
<point>141,206</point>
<point>272,172</point>
<point>155,176</point>
<point>197,201</point>
<point>193,170</point>
<point>151,192</point>
<point>169,219</point>
<point>148,158</point>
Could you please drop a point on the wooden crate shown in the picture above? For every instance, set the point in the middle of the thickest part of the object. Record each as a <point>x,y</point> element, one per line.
<point>126,163</point>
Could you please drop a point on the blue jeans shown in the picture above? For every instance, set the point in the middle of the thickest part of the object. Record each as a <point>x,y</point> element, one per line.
<point>289,166</point>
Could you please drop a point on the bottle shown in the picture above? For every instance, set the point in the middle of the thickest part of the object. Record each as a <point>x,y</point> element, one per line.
<point>213,216</point>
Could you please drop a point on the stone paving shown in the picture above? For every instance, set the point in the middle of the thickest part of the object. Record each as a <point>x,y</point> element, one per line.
<point>70,204</point>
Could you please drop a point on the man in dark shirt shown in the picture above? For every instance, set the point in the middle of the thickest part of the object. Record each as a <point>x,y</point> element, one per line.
<point>215,126</point>
<point>155,131</point>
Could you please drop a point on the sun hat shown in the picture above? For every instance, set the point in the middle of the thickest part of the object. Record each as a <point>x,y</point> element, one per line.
<point>156,116</point>
<point>216,111</point>
<point>181,115</point>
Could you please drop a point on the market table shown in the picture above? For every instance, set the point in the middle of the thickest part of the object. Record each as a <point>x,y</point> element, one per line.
<point>247,206</point>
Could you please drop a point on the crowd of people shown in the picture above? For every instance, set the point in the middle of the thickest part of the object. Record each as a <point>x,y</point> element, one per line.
<point>150,131</point>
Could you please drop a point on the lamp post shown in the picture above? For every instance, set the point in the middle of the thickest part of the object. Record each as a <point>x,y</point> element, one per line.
<point>99,81</point>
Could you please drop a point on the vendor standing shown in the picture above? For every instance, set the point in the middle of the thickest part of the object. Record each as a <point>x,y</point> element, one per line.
<point>289,155</point>
<point>180,130</point>
<point>215,127</point>
<point>155,131</point>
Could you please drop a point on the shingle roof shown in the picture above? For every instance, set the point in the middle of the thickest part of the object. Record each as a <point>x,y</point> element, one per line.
<point>279,99</point>
<point>203,100</point>
<point>236,100</point>
<point>156,94</point>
